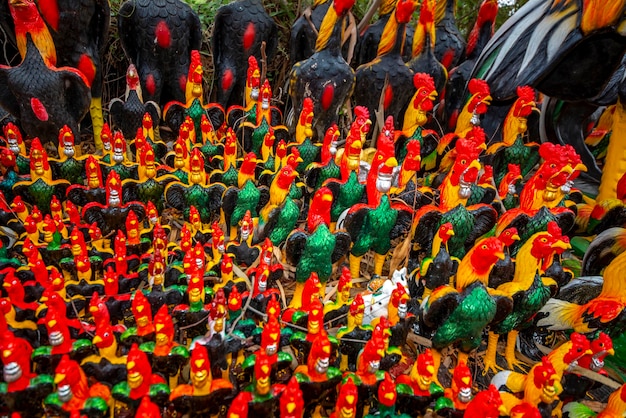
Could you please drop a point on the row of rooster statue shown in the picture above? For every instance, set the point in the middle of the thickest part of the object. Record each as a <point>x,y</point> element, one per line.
<point>270,265</point>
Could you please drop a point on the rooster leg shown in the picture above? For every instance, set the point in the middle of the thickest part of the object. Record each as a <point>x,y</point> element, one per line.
<point>233,233</point>
<point>296,300</point>
<point>615,164</point>
<point>355,266</point>
<point>490,354</point>
<point>509,353</point>
<point>95,110</point>
<point>379,261</point>
<point>461,358</point>
<point>436,363</point>
<point>173,380</point>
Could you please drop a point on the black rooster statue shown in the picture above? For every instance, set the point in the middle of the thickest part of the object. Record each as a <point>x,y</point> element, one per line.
<point>304,31</point>
<point>128,114</point>
<point>387,76</point>
<point>158,37</point>
<point>369,39</point>
<point>43,97</point>
<point>450,45</point>
<point>70,33</point>
<point>240,29</point>
<point>325,76</point>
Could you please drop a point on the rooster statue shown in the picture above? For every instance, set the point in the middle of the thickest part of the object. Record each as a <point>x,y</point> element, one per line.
<point>325,75</point>
<point>459,315</point>
<point>528,289</point>
<point>387,75</point>
<point>370,37</point>
<point>305,29</point>
<point>450,45</point>
<point>458,77</point>
<point>70,33</point>
<point>240,29</point>
<point>44,97</point>
<point>128,114</point>
<point>158,38</point>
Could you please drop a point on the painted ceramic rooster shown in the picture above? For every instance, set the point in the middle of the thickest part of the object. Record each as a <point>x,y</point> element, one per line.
<point>459,315</point>
<point>317,250</point>
<point>310,77</point>
<point>44,97</point>
<point>74,394</point>
<point>375,227</point>
<point>387,76</point>
<point>528,289</point>
<point>158,39</point>
<point>438,268</point>
<point>450,45</point>
<point>469,222</point>
<point>542,197</point>
<point>424,60</point>
<point>604,312</point>
<point>459,76</point>
<point>128,114</point>
<point>239,31</point>
<point>514,149</point>
<point>66,38</point>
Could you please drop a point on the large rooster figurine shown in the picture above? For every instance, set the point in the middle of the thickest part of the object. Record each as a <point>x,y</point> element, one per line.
<point>528,289</point>
<point>241,28</point>
<point>604,312</point>
<point>469,222</point>
<point>158,38</point>
<point>44,97</point>
<point>325,75</point>
<point>459,76</point>
<point>69,33</point>
<point>387,75</point>
<point>458,316</point>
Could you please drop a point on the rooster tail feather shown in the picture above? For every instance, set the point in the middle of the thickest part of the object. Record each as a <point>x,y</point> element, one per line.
<point>560,315</point>
<point>508,379</point>
<point>577,410</point>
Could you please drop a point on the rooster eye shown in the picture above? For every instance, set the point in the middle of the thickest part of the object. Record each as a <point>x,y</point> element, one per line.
<point>484,247</point>
<point>463,161</point>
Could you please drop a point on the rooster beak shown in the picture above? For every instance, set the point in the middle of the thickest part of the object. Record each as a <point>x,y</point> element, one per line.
<point>97,339</point>
<point>610,352</point>
<point>561,245</point>
<point>580,167</point>
<point>450,232</point>
<point>500,255</point>
<point>391,162</point>
<point>503,411</point>
<point>515,237</point>
<point>59,378</point>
